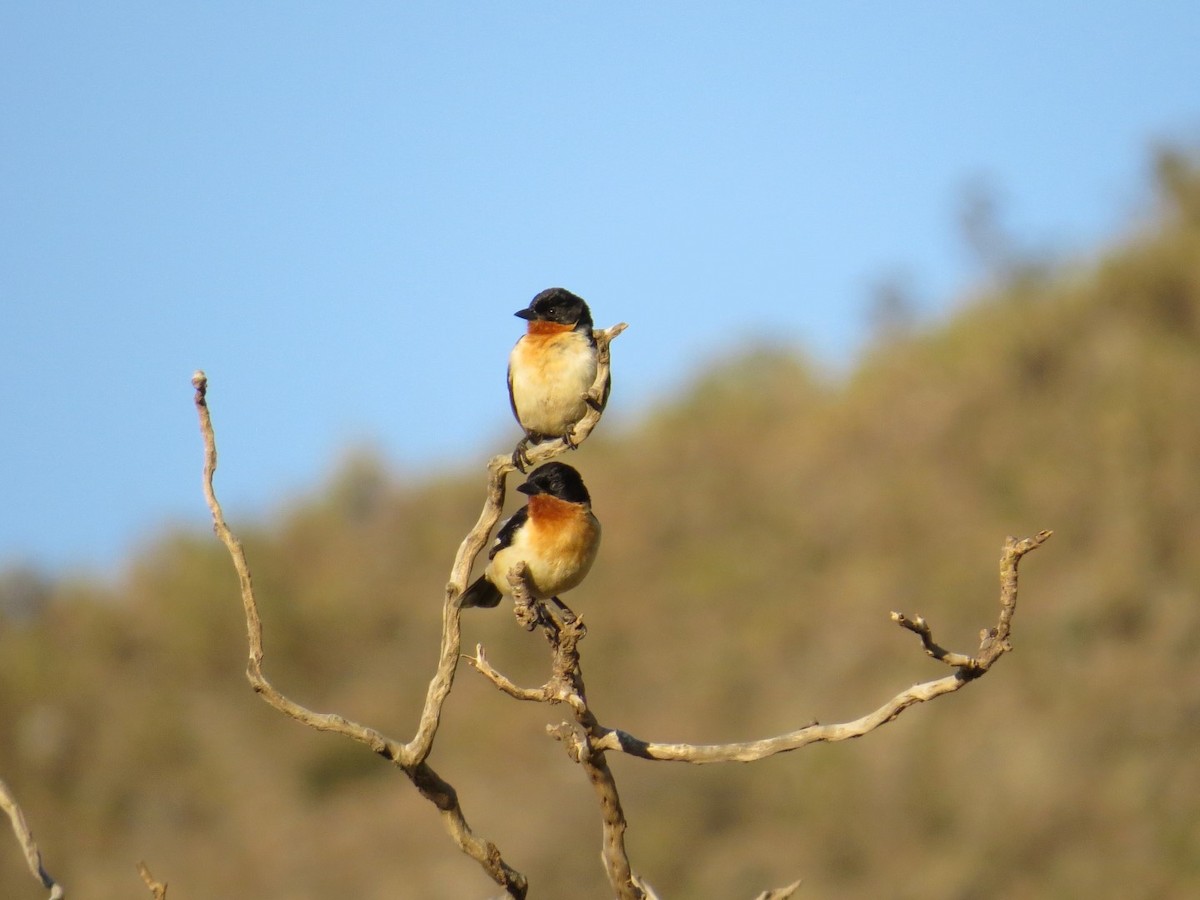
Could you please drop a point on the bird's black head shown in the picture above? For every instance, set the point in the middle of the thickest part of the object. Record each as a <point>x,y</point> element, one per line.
<point>558,480</point>
<point>560,306</point>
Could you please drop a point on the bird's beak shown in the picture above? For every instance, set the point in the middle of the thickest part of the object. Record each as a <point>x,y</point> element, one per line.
<point>529,488</point>
<point>525,314</point>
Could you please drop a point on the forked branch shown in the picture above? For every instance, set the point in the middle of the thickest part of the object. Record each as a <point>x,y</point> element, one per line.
<point>588,742</point>
<point>564,632</point>
<point>994,643</point>
<point>410,756</point>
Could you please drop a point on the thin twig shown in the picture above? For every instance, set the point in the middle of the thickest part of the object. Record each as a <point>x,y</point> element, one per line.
<point>386,747</point>
<point>480,662</point>
<point>33,856</point>
<point>920,627</point>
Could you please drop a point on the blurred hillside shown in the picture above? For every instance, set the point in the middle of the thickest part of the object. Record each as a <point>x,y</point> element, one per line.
<point>757,532</point>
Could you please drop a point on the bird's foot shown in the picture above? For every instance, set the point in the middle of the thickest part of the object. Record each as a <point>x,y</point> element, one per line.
<point>520,456</point>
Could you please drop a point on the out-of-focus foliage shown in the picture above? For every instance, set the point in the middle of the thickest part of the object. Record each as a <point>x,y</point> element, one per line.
<point>757,532</point>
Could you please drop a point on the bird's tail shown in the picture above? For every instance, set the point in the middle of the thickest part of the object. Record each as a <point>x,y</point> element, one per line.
<point>481,593</point>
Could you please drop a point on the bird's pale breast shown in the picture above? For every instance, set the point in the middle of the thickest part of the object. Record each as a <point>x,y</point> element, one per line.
<point>550,374</point>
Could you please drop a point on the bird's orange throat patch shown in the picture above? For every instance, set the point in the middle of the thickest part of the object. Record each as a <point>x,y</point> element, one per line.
<point>543,328</point>
<point>546,509</point>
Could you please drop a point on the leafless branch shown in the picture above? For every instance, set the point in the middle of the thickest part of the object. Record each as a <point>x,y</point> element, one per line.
<point>921,628</point>
<point>33,856</point>
<point>157,888</point>
<point>993,644</point>
<point>480,662</point>
<point>410,756</point>
<point>566,686</point>
<point>588,742</point>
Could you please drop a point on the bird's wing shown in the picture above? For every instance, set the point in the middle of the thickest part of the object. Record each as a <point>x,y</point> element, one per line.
<point>504,537</point>
<point>512,402</point>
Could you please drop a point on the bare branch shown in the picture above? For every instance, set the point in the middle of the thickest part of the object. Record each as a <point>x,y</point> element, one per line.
<point>616,859</point>
<point>921,628</point>
<point>588,743</point>
<point>566,686</point>
<point>480,663</point>
<point>585,740</point>
<point>994,643</point>
<point>390,749</point>
<point>409,757</point>
<point>33,856</point>
<point>157,888</point>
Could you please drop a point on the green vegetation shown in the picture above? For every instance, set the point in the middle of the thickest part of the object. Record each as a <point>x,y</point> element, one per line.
<point>757,532</point>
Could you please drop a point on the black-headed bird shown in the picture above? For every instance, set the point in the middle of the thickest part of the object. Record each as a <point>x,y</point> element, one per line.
<point>554,534</point>
<point>552,367</point>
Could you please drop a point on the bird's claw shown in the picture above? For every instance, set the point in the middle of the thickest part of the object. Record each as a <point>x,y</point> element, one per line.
<point>520,456</point>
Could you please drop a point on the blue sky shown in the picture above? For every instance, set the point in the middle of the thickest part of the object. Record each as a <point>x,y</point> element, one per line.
<point>335,210</point>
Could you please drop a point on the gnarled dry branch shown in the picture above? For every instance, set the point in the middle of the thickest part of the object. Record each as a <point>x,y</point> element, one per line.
<point>33,856</point>
<point>993,644</point>
<point>411,756</point>
<point>588,744</point>
<point>586,740</point>
<point>566,686</point>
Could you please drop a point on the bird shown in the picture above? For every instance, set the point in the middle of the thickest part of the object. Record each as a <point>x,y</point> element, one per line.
<point>551,369</point>
<point>554,534</point>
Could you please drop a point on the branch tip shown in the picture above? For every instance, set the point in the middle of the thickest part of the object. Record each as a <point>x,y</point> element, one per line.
<point>781,893</point>
<point>157,888</point>
<point>1021,547</point>
<point>613,331</point>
